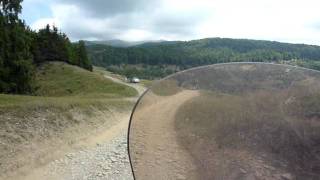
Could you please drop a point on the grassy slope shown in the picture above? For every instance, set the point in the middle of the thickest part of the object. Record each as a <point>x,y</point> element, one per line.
<point>146,83</point>
<point>59,79</point>
<point>70,104</point>
<point>61,85</point>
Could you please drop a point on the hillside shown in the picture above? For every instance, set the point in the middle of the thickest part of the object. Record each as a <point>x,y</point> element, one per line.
<point>60,79</point>
<point>23,49</point>
<point>154,60</point>
<point>61,85</point>
<point>119,43</point>
<point>70,104</point>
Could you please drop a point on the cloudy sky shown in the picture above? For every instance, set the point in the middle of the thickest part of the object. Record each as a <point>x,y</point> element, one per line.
<point>296,21</point>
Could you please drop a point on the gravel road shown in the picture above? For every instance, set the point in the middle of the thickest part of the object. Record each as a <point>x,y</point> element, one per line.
<point>103,157</point>
<point>108,160</point>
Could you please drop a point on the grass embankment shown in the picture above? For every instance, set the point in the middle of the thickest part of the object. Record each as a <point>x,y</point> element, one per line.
<point>69,104</point>
<point>61,85</point>
<point>58,79</point>
<point>146,83</point>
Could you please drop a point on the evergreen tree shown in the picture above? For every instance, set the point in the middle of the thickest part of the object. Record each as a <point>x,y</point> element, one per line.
<point>22,48</point>
<point>83,60</point>
<point>54,46</point>
<point>16,59</point>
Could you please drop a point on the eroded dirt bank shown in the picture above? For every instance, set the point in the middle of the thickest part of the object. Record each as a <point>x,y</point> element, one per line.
<point>33,140</point>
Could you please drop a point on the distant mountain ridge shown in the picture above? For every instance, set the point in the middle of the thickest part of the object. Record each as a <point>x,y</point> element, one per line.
<point>165,57</point>
<point>121,43</point>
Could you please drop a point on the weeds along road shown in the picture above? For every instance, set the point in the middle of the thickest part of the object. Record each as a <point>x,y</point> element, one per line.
<point>102,156</point>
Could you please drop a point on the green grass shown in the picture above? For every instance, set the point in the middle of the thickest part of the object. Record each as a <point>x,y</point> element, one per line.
<point>69,105</point>
<point>146,83</point>
<point>103,71</point>
<point>62,86</point>
<point>60,79</point>
<point>29,103</point>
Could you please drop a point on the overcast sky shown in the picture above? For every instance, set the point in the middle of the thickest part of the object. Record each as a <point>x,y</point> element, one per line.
<point>296,21</point>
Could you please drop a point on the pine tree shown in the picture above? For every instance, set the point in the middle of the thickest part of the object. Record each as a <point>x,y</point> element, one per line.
<point>52,45</point>
<point>16,59</point>
<point>22,48</point>
<point>83,57</point>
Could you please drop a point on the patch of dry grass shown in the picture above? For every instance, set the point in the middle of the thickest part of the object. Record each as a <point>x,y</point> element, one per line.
<point>165,88</point>
<point>259,123</point>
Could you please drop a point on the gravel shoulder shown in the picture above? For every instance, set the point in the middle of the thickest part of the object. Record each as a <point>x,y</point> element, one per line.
<point>101,156</point>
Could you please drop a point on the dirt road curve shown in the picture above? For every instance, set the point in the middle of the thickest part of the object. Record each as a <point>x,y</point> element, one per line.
<point>154,148</point>
<point>102,156</point>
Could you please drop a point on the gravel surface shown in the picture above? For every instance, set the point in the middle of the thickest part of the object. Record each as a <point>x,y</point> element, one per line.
<point>108,160</point>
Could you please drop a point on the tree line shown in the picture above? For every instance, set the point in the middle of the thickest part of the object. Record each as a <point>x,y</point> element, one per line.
<point>187,54</point>
<point>22,49</point>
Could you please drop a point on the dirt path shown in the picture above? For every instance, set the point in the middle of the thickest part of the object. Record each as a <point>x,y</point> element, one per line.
<point>154,148</point>
<point>138,87</point>
<point>103,156</point>
<point>100,156</point>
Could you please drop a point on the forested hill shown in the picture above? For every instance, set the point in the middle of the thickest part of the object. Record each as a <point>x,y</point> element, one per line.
<point>167,57</point>
<point>117,43</point>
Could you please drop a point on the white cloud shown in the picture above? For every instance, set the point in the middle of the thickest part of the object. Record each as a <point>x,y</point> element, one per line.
<point>287,20</point>
<point>41,23</point>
